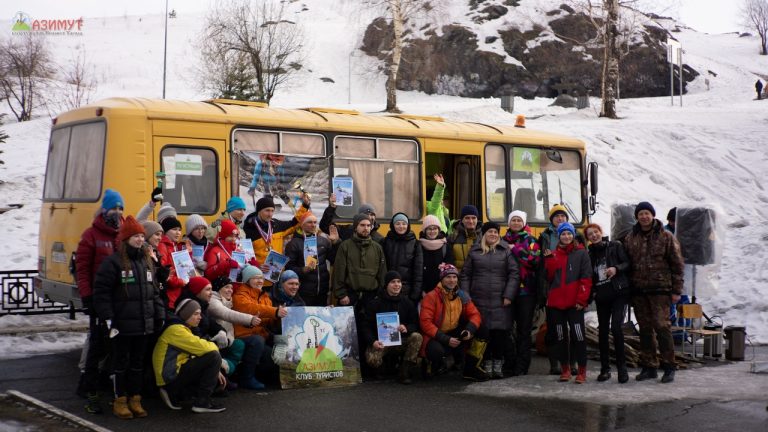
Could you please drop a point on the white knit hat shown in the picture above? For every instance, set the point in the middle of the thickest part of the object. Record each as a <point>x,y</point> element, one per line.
<point>166,210</point>
<point>194,221</point>
<point>431,220</point>
<point>519,213</point>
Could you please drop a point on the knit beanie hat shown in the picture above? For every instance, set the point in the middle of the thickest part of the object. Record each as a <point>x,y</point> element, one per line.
<point>645,205</point>
<point>264,202</point>
<point>228,228</point>
<point>565,226</point>
<point>196,284</point>
<point>469,210</point>
<point>447,269</point>
<point>250,272</point>
<point>557,209</point>
<point>367,209</point>
<point>489,226</point>
<point>288,275</point>
<point>194,221</point>
<point>235,203</point>
<point>359,218</point>
<point>430,220</point>
<point>129,228</point>
<point>519,213</point>
<point>390,276</point>
<point>170,223</point>
<point>112,199</point>
<point>186,307</point>
<point>151,227</point>
<point>166,210</point>
<point>400,217</point>
<point>220,282</point>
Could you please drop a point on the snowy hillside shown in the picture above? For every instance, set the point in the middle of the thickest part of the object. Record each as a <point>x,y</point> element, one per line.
<point>709,151</point>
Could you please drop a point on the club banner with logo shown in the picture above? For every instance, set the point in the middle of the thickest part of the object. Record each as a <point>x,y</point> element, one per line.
<point>318,348</point>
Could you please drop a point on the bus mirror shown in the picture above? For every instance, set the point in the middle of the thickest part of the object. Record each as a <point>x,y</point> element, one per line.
<point>593,178</point>
<point>554,156</point>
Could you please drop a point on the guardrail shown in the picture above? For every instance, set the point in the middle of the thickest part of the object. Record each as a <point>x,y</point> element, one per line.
<point>19,298</point>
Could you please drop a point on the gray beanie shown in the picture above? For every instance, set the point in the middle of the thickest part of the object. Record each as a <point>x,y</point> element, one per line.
<point>186,308</point>
<point>194,221</point>
<point>166,210</point>
<point>151,227</point>
<point>359,218</point>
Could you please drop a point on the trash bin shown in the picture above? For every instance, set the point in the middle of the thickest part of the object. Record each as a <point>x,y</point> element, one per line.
<point>736,336</point>
<point>713,345</point>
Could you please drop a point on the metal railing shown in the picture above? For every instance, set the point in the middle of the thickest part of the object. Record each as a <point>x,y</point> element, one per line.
<point>19,298</point>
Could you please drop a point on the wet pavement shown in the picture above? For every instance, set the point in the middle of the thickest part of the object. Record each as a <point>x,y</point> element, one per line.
<point>734,400</point>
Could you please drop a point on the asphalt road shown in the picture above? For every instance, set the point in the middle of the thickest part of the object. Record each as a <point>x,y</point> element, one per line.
<point>437,405</point>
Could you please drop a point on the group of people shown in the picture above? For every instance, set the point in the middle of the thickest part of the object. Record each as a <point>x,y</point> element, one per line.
<point>459,288</point>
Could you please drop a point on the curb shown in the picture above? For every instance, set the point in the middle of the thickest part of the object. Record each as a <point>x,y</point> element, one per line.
<point>55,412</point>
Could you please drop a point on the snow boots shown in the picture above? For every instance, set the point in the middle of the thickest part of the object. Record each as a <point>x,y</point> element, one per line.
<point>120,408</point>
<point>565,373</point>
<point>669,374</point>
<point>581,376</point>
<point>647,373</point>
<point>134,404</point>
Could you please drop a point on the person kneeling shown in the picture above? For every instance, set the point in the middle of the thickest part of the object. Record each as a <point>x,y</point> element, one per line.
<point>391,299</point>
<point>183,361</point>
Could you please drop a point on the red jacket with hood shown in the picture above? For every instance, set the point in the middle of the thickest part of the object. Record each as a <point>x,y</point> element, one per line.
<point>96,244</point>
<point>569,277</point>
<point>174,284</point>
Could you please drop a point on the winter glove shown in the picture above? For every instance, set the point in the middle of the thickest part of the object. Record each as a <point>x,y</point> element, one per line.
<point>234,264</point>
<point>156,195</point>
<point>220,339</point>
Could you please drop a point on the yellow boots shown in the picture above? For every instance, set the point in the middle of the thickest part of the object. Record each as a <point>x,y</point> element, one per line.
<point>128,408</point>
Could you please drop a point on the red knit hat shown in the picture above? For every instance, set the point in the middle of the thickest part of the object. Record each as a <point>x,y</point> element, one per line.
<point>196,284</point>
<point>129,228</point>
<point>228,228</point>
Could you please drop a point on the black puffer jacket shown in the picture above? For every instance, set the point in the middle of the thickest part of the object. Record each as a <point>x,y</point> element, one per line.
<point>432,260</point>
<point>314,283</point>
<point>614,255</point>
<point>489,279</point>
<point>383,302</point>
<point>403,255</point>
<point>130,299</point>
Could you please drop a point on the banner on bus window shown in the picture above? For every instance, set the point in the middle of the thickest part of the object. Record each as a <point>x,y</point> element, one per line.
<point>526,159</point>
<point>318,348</point>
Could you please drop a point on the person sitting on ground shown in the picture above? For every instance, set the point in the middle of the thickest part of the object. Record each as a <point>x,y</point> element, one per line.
<point>246,349</point>
<point>200,289</point>
<point>345,232</point>
<point>448,323</point>
<point>402,254</point>
<point>250,298</point>
<point>569,279</point>
<point>390,298</point>
<point>465,233</point>
<point>185,363</point>
<point>434,251</point>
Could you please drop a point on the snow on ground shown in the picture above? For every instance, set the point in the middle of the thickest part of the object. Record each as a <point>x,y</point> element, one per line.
<point>24,345</point>
<point>709,151</point>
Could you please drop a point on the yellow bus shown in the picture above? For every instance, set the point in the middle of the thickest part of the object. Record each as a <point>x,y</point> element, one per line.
<point>209,151</point>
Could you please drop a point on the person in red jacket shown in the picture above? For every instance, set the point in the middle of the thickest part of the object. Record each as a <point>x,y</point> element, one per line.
<point>448,322</point>
<point>170,243</point>
<point>218,257</point>
<point>96,244</point>
<point>569,280</point>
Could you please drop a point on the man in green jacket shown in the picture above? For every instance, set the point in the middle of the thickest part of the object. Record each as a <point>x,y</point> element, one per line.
<point>359,267</point>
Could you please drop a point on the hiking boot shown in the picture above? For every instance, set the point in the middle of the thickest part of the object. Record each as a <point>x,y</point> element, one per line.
<point>565,373</point>
<point>646,374</point>
<point>206,406</point>
<point>168,400</point>
<point>93,405</point>
<point>605,375</point>
<point>475,374</point>
<point>134,404</point>
<point>404,374</point>
<point>120,408</point>
<point>581,377</point>
<point>669,375</point>
<point>623,375</point>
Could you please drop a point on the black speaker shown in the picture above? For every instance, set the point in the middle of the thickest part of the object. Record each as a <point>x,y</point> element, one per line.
<point>695,230</point>
<point>622,220</point>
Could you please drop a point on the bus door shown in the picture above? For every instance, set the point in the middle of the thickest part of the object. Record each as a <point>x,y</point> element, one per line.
<point>193,173</point>
<point>460,169</point>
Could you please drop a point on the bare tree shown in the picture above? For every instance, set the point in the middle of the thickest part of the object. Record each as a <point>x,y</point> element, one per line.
<point>78,82</point>
<point>400,11</point>
<point>3,136</point>
<point>755,16</point>
<point>25,65</point>
<point>250,42</point>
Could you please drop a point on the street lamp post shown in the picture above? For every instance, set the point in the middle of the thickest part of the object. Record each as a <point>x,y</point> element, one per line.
<point>165,46</point>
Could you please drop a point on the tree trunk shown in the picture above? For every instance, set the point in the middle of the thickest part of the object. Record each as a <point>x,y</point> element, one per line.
<point>610,60</point>
<point>397,51</point>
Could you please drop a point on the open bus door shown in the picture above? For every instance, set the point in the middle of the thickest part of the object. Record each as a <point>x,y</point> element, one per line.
<point>462,179</point>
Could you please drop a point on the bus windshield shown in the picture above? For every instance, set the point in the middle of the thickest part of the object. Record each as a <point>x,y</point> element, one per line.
<point>538,179</point>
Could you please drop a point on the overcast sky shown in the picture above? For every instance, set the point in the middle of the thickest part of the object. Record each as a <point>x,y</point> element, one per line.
<point>711,16</point>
